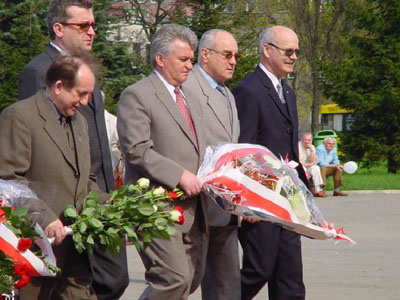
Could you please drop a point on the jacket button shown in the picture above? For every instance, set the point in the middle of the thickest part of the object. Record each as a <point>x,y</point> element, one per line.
<point>288,130</point>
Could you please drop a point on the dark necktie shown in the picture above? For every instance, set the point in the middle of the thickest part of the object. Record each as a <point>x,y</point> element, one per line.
<point>185,112</point>
<point>220,88</point>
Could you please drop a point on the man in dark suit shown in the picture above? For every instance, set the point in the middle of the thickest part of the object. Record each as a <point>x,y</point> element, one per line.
<point>44,139</point>
<point>268,116</point>
<point>161,136</point>
<point>72,30</point>
<point>218,52</point>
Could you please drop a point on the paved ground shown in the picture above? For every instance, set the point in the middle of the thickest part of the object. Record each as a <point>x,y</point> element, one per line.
<point>369,270</point>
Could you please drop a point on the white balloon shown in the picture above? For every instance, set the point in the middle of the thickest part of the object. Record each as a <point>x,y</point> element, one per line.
<point>350,167</point>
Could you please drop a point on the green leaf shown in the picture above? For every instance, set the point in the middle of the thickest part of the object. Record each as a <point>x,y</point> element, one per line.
<point>19,212</point>
<point>89,211</point>
<point>95,223</point>
<point>82,227</point>
<point>90,240</point>
<point>161,222</point>
<point>91,203</point>
<point>146,209</point>
<point>70,212</point>
<point>130,232</point>
<point>171,230</point>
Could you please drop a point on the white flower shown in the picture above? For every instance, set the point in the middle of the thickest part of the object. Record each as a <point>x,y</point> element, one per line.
<point>155,207</point>
<point>159,191</point>
<point>174,215</point>
<point>143,183</point>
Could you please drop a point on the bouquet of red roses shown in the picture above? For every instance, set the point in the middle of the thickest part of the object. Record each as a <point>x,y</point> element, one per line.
<point>250,181</point>
<point>18,260</point>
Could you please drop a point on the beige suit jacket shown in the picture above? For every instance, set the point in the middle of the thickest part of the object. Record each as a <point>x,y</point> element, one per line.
<point>34,147</point>
<point>221,124</point>
<point>155,139</point>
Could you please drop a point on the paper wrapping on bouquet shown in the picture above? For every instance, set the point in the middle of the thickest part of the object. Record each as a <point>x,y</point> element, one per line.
<point>250,181</point>
<point>17,194</point>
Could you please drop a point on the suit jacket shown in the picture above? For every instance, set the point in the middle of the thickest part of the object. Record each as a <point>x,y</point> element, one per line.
<point>32,79</point>
<point>264,120</point>
<point>155,139</point>
<point>221,124</point>
<point>34,147</point>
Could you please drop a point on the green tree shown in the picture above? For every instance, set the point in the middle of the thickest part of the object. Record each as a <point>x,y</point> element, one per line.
<point>367,79</point>
<point>22,35</point>
<point>318,24</point>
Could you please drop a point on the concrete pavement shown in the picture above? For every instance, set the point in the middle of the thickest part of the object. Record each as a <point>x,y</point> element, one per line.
<point>369,270</point>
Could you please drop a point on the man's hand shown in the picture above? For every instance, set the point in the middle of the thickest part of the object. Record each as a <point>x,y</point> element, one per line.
<point>250,219</point>
<point>339,167</point>
<point>56,230</point>
<point>190,183</point>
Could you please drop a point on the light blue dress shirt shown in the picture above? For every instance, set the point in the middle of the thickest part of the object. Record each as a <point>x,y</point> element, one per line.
<point>326,158</point>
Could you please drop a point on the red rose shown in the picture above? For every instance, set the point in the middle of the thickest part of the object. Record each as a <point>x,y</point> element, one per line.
<point>2,216</point>
<point>25,279</point>
<point>20,269</point>
<point>24,244</point>
<point>173,195</point>
<point>181,219</point>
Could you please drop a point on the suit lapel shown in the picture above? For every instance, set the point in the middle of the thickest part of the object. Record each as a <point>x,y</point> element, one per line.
<point>52,128</point>
<point>217,102</point>
<point>267,83</point>
<point>165,98</point>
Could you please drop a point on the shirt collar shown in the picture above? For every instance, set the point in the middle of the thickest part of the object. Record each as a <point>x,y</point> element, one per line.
<point>62,51</point>
<point>169,86</point>
<point>210,80</point>
<point>271,76</point>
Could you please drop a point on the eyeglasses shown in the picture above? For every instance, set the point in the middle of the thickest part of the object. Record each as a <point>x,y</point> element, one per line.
<point>288,52</point>
<point>84,27</point>
<point>227,54</point>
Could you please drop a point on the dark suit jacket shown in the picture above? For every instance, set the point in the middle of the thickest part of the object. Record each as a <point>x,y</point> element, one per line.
<point>264,120</point>
<point>33,78</point>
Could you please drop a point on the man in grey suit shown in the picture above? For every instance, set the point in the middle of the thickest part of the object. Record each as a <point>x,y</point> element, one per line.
<point>45,139</point>
<point>162,138</point>
<point>218,52</point>
<point>72,29</point>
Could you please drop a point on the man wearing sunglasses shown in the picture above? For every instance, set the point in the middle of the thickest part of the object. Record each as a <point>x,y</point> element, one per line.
<point>218,54</point>
<point>72,30</point>
<point>268,116</point>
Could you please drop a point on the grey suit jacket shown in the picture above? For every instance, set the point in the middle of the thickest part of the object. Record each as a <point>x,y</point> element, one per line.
<point>155,139</point>
<point>221,124</point>
<point>32,79</point>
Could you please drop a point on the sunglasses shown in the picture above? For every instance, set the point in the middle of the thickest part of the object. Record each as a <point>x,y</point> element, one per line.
<point>227,54</point>
<point>84,27</point>
<point>288,52</point>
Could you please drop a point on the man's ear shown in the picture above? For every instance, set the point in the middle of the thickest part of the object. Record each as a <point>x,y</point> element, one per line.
<point>58,29</point>
<point>159,60</point>
<point>266,49</point>
<point>58,86</point>
<point>205,54</point>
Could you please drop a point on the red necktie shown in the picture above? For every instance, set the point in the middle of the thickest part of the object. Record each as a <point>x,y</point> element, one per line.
<point>185,112</point>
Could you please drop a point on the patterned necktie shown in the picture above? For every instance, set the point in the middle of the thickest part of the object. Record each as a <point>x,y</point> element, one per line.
<point>220,88</point>
<point>185,112</point>
<point>280,93</point>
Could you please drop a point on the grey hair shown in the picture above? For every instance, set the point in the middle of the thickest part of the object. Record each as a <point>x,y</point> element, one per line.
<point>57,12</point>
<point>165,36</point>
<point>208,39</point>
<point>329,138</point>
<point>266,37</point>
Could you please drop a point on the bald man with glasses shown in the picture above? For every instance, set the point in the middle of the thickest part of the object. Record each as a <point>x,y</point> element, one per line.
<point>72,30</point>
<point>268,116</point>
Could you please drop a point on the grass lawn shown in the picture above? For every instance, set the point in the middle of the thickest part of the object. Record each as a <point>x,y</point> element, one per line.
<point>376,178</point>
